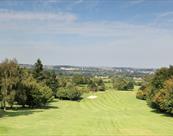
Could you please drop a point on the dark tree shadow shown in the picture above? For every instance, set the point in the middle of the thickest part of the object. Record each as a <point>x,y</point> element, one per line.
<point>73,100</point>
<point>162,113</point>
<point>17,113</point>
<point>48,107</point>
<point>20,111</point>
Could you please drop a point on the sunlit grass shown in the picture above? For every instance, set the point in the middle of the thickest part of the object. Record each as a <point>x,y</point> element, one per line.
<point>111,113</point>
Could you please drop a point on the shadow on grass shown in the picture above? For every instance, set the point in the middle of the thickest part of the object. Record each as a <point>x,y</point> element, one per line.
<point>13,113</point>
<point>73,100</point>
<point>162,113</point>
<point>20,111</point>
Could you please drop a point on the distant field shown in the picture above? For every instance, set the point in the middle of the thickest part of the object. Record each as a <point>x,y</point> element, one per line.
<point>111,113</point>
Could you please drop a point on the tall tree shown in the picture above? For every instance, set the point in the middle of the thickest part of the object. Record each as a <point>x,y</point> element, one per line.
<point>38,70</point>
<point>8,81</point>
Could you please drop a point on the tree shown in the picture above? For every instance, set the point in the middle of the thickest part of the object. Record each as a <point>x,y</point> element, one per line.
<point>92,86</point>
<point>22,86</point>
<point>38,70</point>
<point>159,91</point>
<point>78,79</point>
<point>143,92</point>
<point>51,80</point>
<point>34,94</point>
<point>144,88</point>
<point>8,81</point>
<point>69,93</point>
<point>101,85</point>
<point>122,83</point>
<point>130,85</point>
<point>18,85</point>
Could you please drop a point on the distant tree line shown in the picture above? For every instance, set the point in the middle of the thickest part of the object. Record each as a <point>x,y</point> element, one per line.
<point>158,90</point>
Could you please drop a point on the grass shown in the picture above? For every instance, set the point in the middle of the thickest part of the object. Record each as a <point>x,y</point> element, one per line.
<point>111,113</point>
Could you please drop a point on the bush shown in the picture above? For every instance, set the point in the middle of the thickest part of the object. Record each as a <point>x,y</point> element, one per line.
<point>101,88</point>
<point>123,84</point>
<point>92,86</point>
<point>101,85</point>
<point>163,98</point>
<point>38,95</point>
<point>32,93</point>
<point>18,85</point>
<point>159,91</point>
<point>141,95</point>
<point>69,93</point>
<point>96,85</point>
<point>143,92</point>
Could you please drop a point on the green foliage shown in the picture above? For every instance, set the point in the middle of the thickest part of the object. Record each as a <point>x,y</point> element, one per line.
<point>96,85</point>
<point>122,83</point>
<point>79,79</point>
<point>101,85</point>
<point>69,93</point>
<point>162,99</point>
<point>157,86</point>
<point>51,80</point>
<point>32,93</point>
<point>141,95</point>
<point>145,87</point>
<point>92,86</point>
<point>63,82</point>
<point>159,90</point>
<point>18,85</point>
<point>130,85</point>
<point>11,98</point>
<point>38,70</point>
<point>161,76</point>
<point>143,91</point>
<point>8,80</point>
<point>39,94</point>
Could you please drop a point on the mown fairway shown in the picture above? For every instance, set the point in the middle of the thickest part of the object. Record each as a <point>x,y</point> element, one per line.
<point>111,113</point>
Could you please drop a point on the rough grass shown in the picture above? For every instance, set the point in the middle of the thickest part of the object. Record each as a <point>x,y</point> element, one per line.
<point>114,113</point>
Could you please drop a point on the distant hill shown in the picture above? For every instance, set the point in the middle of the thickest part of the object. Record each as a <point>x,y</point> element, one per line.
<point>67,69</point>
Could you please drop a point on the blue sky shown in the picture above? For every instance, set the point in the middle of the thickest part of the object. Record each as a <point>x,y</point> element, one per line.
<point>131,33</point>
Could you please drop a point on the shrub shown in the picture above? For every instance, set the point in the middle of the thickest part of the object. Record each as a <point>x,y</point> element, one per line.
<point>93,87</point>
<point>38,94</point>
<point>142,92</point>
<point>101,85</point>
<point>32,93</point>
<point>141,95</point>
<point>163,99</point>
<point>160,90</point>
<point>18,85</point>
<point>96,85</point>
<point>123,84</point>
<point>69,93</point>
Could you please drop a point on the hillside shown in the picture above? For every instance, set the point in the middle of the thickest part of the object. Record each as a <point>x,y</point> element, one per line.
<point>66,69</point>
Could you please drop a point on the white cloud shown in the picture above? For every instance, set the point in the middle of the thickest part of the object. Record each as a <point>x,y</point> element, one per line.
<point>30,16</point>
<point>106,43</point>
<point>164,19</point>
<point>164,14</point>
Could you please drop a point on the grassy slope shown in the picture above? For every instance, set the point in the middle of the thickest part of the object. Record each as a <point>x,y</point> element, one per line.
<point>112,113</point>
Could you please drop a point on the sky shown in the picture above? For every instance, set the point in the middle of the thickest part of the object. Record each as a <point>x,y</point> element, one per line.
<point>120,33</point>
